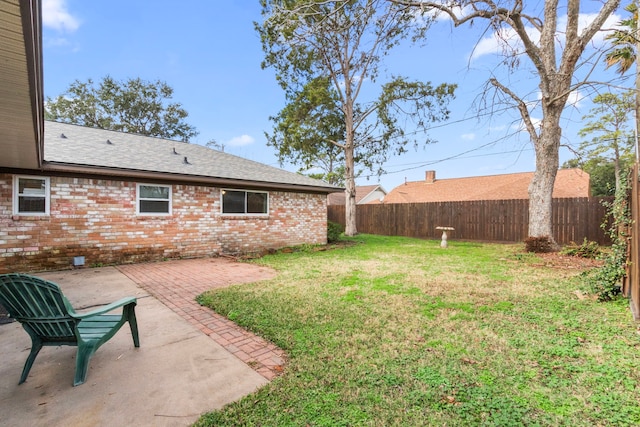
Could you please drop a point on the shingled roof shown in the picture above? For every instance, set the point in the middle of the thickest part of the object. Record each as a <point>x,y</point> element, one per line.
<point>569,183</point>
<point>72,148</point>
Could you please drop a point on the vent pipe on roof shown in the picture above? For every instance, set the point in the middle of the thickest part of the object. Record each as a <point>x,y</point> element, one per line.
<point>174,151</point>
<point>109,142</point>
<point>63,136</point>
<point>185,161</point>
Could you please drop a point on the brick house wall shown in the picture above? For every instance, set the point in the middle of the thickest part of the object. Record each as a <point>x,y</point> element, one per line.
<point>96,218</point>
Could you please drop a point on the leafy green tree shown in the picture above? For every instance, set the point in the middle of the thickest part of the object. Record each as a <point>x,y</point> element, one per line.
<point>609,151</point>
<point>332,172</point>
<point>133,106</point>
<point>333,177</point>
<point>602,178</point>
<point>531,30</point>
<point>608,126</point>
<point>326,55</point>
<point>306,129</point>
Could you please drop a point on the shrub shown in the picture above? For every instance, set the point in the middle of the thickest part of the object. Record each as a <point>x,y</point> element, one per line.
<point>605,281</point>
<point>334,230</point>
<point>539,245</point>
<point>587,249</point>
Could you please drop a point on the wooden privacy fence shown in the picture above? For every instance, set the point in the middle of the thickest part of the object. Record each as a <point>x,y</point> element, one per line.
<point>574,219</point>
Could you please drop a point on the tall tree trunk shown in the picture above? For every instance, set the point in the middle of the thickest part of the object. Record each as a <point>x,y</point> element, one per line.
<point>350,194</point>
<point>350,228</point>
<point>544,177</point>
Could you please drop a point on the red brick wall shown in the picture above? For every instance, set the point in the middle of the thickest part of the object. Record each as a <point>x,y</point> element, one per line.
<point>96,218</point>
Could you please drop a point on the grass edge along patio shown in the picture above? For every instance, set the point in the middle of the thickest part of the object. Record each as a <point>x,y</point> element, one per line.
<point>397,331</point>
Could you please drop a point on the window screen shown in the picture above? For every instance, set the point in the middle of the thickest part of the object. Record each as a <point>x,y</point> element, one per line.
<point>154,199</point>
<point>244,202</point>
<point>32,195</point>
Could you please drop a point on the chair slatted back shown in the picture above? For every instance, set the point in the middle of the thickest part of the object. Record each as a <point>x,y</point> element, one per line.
<point>38,305</point>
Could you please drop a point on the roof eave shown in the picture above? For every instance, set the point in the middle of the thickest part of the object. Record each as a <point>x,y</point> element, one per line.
<point>32,30</point>
<point>65,168</point>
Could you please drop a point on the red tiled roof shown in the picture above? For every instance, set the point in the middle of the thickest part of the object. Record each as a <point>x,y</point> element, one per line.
<point>569,183</point>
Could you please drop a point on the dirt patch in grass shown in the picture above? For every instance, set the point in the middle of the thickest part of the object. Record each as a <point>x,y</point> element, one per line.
<point>567,262</point>
<point>341,244</point>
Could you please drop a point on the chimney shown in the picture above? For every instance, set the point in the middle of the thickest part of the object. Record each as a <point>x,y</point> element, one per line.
<point>430,177</point>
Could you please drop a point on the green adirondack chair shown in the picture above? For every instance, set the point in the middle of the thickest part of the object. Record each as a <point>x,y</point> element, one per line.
<point>50,320</point>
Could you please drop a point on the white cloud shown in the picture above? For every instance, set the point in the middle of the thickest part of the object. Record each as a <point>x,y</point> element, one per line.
<point>536,122</point>
<point>240,141</point>
<point>521,127</point>
<point>499,40</point>
<point>55,15</point>
<point>575,98</point>
<point>586,18</point>
<point>507,37</point>
<point>468,136</point>
<point>457,11</point>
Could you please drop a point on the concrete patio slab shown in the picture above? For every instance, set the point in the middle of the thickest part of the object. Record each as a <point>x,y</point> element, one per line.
<point>177,284</point>
<point>177,373</point>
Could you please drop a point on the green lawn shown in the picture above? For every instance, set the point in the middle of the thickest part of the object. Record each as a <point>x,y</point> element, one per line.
<point>400,332</point>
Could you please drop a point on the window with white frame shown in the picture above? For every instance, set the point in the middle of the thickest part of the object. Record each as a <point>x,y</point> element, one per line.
<point>241,202</point>
<point>153,199</point>
<point>31,195</point>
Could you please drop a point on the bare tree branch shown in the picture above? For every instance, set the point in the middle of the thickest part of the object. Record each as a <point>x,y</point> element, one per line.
<point>522,108</point>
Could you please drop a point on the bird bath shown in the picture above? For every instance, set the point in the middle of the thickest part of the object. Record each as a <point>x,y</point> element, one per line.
<point>443,243</point>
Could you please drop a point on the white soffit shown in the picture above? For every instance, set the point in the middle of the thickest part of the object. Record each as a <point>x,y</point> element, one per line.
<point>21,99</point>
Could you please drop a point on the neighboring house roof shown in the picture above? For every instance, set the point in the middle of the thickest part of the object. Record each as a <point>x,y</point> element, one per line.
<point>336,198</point>
<point>364,194</point>
<point>569,183</point>
<point>21,96</point>
<point>99,151</point>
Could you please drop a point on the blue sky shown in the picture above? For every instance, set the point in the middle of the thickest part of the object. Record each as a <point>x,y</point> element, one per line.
<point>210,54</point>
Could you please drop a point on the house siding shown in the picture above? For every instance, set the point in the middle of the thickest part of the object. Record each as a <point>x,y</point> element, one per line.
<point>373,197</point>
<point>96,218</point>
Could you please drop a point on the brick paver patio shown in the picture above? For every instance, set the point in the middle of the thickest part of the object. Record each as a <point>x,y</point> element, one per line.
<point>177,283</point>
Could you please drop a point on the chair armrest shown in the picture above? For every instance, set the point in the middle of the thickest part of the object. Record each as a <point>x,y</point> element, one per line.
<point>105,309</point>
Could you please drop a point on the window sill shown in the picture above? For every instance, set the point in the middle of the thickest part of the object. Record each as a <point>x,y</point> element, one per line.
<point>30,217</point>
<point>244,216</point>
